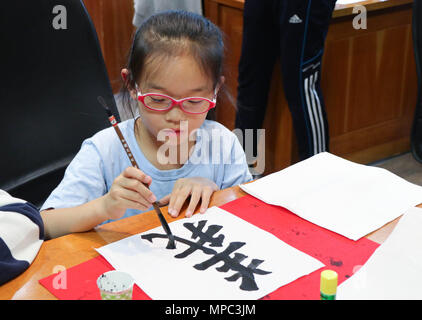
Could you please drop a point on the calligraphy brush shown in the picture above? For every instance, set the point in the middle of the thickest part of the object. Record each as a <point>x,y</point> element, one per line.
<point>171,244</point>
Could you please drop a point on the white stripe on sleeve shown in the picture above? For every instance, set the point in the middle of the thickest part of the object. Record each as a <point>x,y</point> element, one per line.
<point>21,235</point>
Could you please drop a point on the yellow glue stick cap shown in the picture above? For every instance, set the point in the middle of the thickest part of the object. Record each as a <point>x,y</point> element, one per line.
<point>329,282</point>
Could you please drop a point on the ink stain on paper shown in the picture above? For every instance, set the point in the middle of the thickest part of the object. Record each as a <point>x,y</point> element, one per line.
<point>338,263</point>
<point>245,273</point>
<point>297,232</point>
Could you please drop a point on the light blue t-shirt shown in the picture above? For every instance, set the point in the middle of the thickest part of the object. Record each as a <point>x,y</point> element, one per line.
<point>217,156</point>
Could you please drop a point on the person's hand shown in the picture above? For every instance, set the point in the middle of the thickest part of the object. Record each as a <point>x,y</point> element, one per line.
<point>128,191</point>
<point>197,188</point>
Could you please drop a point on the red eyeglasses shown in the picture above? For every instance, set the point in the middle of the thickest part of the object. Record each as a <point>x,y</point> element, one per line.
<point>191,105</point>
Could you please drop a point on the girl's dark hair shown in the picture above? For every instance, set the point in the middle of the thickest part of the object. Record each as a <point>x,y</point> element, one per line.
<point>171,33</point>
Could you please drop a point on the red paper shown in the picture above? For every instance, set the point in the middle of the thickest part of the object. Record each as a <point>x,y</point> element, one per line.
<point>81,282</point>
<point>338,253</point>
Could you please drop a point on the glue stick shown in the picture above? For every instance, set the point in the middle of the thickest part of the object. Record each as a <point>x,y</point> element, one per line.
<point>328,285</point>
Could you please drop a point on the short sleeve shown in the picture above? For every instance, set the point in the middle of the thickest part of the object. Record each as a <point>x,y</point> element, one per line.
<point>236,170</point>
<point>83,181</point>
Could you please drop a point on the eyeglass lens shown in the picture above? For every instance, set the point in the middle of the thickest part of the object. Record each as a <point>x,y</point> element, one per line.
<point>195,105</point>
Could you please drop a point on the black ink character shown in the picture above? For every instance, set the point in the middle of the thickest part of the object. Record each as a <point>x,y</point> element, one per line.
<point>203,237</point>
<point>246,273</point>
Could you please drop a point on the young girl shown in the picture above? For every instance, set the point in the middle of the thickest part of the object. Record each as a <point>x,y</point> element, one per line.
<point>174,73</point>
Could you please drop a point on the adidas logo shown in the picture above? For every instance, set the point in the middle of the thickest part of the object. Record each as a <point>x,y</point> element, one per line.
<point>295,19</point>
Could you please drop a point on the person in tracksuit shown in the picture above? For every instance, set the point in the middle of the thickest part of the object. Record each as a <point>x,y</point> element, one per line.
<point>294,31</point>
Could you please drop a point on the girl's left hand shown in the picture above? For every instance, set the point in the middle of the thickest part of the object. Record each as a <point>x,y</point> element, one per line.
<point>197,188</point>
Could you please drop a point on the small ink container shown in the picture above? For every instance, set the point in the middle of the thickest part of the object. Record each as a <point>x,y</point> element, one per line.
<point>115,285</point>
<point>328,285</point>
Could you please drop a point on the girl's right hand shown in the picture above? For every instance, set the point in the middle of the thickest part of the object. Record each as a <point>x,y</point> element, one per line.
<point>128,191</point>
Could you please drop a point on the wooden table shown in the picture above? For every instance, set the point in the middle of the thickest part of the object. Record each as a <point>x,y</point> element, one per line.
<point>73,249</point>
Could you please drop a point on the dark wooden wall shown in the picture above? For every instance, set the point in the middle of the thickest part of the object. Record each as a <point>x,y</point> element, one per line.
<point>113,22</point>
<point>368,81</point>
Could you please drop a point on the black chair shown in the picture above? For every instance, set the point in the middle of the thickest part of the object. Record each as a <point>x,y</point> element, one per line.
<point>416,134</point>
<point>48,100</point>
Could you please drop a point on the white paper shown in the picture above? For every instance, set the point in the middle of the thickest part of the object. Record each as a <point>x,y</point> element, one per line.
<point>393,272</point>
<point>342,196</point>
<point>162,276</point>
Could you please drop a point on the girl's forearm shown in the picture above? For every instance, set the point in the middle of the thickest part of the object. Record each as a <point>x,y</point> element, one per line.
<point>59,222</point>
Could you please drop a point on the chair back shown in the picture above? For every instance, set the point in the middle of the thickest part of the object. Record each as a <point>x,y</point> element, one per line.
<point>52,72</point>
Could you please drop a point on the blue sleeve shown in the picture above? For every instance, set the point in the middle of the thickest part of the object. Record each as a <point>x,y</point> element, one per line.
<point>83,181</point>
<point>236,171</point>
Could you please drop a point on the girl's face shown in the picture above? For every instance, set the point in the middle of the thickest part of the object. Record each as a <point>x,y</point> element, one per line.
<point>179,77</point>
